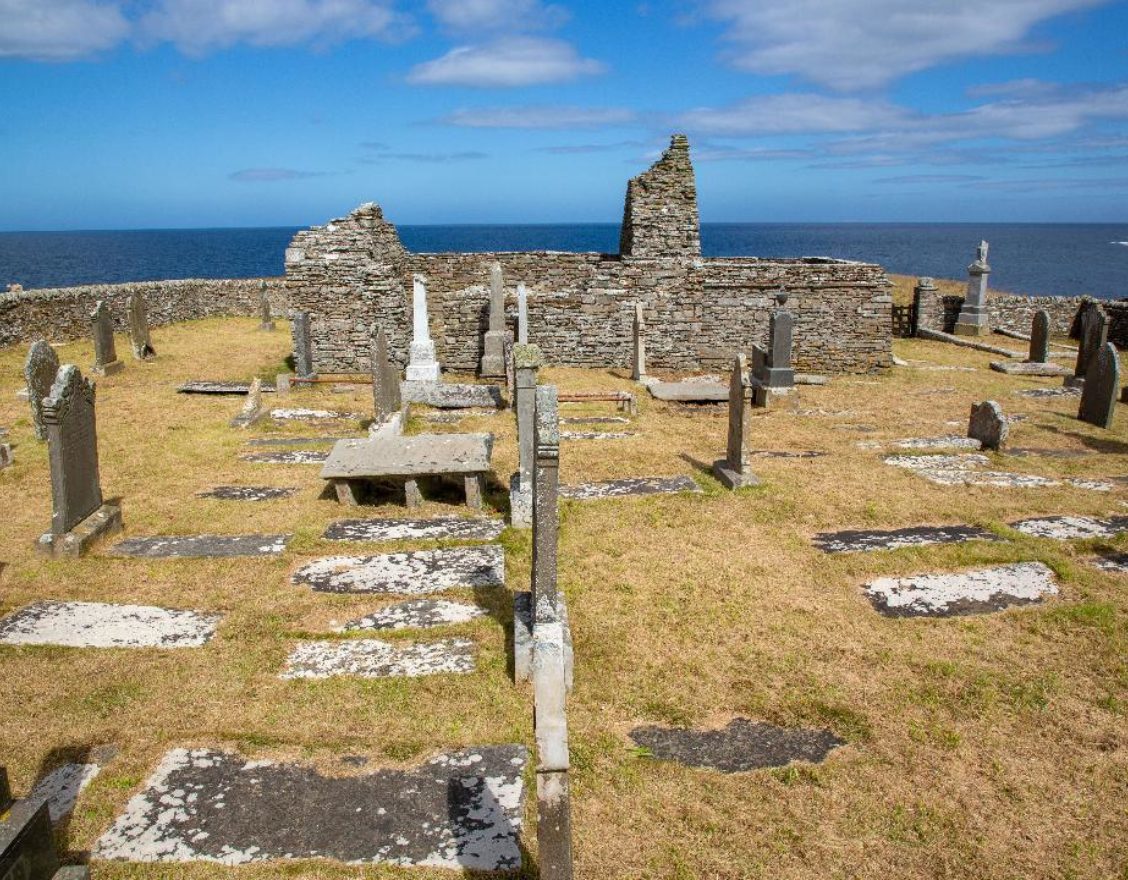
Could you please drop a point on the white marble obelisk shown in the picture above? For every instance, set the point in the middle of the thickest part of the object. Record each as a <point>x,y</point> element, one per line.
<point>522,314</point>
<point>422,365</point>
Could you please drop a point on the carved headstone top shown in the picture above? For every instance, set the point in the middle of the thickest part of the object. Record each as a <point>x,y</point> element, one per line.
<point>547,423</point>
<point>68,411</point>
<point>527,357</point>
<point>781,298</point>
<point>980,267</point>
<point>926,283</point>
<point>39,371</point>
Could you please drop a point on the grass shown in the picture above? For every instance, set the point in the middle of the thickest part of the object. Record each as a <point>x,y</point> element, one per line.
<point>978,747</point>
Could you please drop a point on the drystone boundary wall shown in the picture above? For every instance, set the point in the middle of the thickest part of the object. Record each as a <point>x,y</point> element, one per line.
<point>63,313</point>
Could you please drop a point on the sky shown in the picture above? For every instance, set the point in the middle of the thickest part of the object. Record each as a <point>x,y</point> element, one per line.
<point>126,114</point>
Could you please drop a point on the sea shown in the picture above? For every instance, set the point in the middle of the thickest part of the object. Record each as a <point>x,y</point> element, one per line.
<point>1041,259</point>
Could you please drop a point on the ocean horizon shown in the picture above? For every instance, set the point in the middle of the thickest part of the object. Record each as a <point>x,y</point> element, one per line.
<point>1051,259</point>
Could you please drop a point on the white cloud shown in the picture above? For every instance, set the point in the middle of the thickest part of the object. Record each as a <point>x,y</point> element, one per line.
<point>506,62</point>
<point>792,114</point>
<point>500,15</point>
<point>851,45</point>
<point>541,116</point>
<point>59,30</point>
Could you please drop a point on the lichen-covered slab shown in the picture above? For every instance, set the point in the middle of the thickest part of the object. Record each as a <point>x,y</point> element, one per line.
<point>460,810</point>
<point>453,418</point>
<point>860,541</point>
<point>1050,392</point>
<point>949,442</point>
<point>372,658</point>
<point>101,625</point>
<point>60,789</point>
<point>690,392</point>
<point>247,493</point>
<point>447,527</point>
<point>1068,527</point>
<point>1002,479</point>
<point>596,435</point>
<point>203,386</point>
<point>785,453</point>
<point>1115,562</point>
<point>595,420</point>
<point>740,746</point>
<point>630,486</point>
<point>417,614</point>
<point>971,592</point>
<point>177,546</point>
<point>964,462</point>
<point>1091,485</point>
<point>421,572</point>
<point>452,395</point>
<point>312,415</point>
<point>294,441</point>
<point>296,456</point>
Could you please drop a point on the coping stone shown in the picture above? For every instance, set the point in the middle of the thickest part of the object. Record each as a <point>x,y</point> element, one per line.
<point>248,493</point>
<point>865,540</point>
<point>1069,527</point>
<point>296,456</point>
<point>953,594</point>
<point>630,486</point>
<point>740,746</point>
<point>416,614</point>
<point>415,573</point>
<point>179,546</point>
<point>461,810</point>
<point>447,527</point>
<point>103,625</point>
<point>372,658</point>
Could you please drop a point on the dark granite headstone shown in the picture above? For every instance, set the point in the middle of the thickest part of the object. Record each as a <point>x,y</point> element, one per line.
<point>106,361</point>
<point>139,329</point>
<point>303,346</point>
<point>27,845</point>
<point>1094,334</point>
<point>1102,386</point>
<point>1040,338</point>
<point>40,369</point>
<point>68,412</point>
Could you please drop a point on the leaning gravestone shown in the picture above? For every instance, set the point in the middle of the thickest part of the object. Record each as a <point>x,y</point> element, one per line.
<point>988,425</point>
<point>1040,338</point>
<point>733,471</point>
<point>139,329</point>
<point>1102,385</point>
<point>40,369</point>
<point>79,516</point>
<point>106,361</point>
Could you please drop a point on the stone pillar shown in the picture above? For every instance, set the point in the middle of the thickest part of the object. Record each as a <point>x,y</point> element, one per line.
<point>733,471</point>
<point>924,297</point>
<point>974,319</point>
<point>1102,386</point>
<point>546,481</point>
<point>106,361</point>
<point>422,365</point>
<point>139,338</point>
<point>40,369</point>
<point>638,359</point>
<point>303,346</point>
<point>266,320</point>
<point>527,359</point>
<point>386,401</point>
<point>554,809</point>
<point>1040,338</point>
<point>522,314</point>
<point>493,356</point>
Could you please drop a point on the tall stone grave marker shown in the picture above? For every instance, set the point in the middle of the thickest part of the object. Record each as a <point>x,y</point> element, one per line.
<point>1094,334</point>
<point>771,368</point>
<point>106,361</point>
<point>546,487</point>
<point>1040,338</point>
<point>527,359</point>
<point>40,368</point>
<point>1102,386</point>
<point>386,400</point>
<point>638,335</point>
<point>493,356</point>
<point>925,289</point>
<point>139,338</point>
<point>973,319</point>
<point>522,314</point>
<point>266,319</point>
<point>733,470</point>
<point>303,346</point>
<point>79,516</point>
<point>988,425</point>
<point>422,365</point>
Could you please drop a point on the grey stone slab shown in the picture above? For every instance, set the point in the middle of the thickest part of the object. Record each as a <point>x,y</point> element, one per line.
<point>311,415</point>
<point>1050,392</point>
<point>865,540</point>
<point>1094,335</point>
<point>1114,562</point>
<point>1040,337</point>
<point>1047,452</point>
<point>417,614</point>
<point>740,746</point>
<point>460,810</point>
<point>597,435</point>
<point>416,455</point>
<point>372,658</point>
<point>454,417</point>
<point>962,462</point>
<point>441,528</point>
<point>180,546</point>
<point>416,573</point>
<point>60,789</point>
<point>102,625</point>
<point>1091,485</point>
<point>690,392</point>
<point>27,843</point>
<point>595,420</point>
<point>303,345</point>
<point>296,441</point>
<point>220,388</point>
<point>297,456</point>
<point>1026,368</point>
<point>248,493</point>
<point>1102,388</point>
<point>630,486</point>
<point>40,370</point>
<point>972,592</point>
<point>988,425</point>
<point>252,410</point>
<point>1070,527</point>
<point>1000,479</point>
<point>948,442</point>
<point>786,453</point>
<point>452,395</point>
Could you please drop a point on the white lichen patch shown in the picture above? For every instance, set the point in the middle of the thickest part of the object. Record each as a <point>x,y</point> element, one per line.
<point>417,614</point>
<point>371,658</point>
<point>1114,562</point>
<point>948,442</point>
<point>1002,479</point>
<point>60,788</point>
<point>424,571</point>
<point>295,456</point>
<point>596,435</point>
<point>630,486</point>
<point>310,414</point>
<point>100,625</point>
<point>972,592</point>
<point>938,462</point>
<point>1065,528</point>
<point>447,527</point>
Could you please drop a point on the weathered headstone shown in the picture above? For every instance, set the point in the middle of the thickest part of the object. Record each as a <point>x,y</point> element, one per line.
<point>1094,335</point>
<point>493,354</point>
<point>546,483</point>
<point>40,369</point>
<point>1102,385</point>
<point>974,319</point>
<point>988,425</point>
<point>638,335</point>
<point>925,288</point>
<point>386,401</point>
<point>253,409</point>
<point>5,455</point>
<point>527,359</point>
<point>303,346</point>
<point>522,314</point>
<point>733,470</point>
<point>266,319</point>
<point>106,361</point>
<point>771,368</point>
<point>1040,338</point>
<point>139,338</point>
<point>422,365</point>
<point>79,516</point>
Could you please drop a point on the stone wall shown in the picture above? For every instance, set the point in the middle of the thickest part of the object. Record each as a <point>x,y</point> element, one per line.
<point>62,314</point>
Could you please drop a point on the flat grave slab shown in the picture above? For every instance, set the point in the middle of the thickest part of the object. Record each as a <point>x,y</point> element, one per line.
<point>1049,392</point>
<point>102,625</point>
<point>295,456</point>
<point>447,527</point>
<point>60,789</point>
<point>1025,368</point>
<point>311,415</point>
<point>690,392</point>
<point>861,541</point>
<point>451,395</point>
<point>972,592</point>
<point>740,746</point>
<point>594,420</point>
<point>597,435</point>
<point>948,442</point>
<point>786,453</point>
<point>1001,479</point>
<point>417,573</point>
<point>630,486</point>
<point>1047,452</point>
<point>461,810</point>
<point>205,386</point>
<point>453,418</point>
<point>1114,562</point>
<point>417,614</point>
<point>1065,528</point>
<point>961,462</point>
<point>416,455</point>
<point>294,441</point>
<point>180,546</point>
<point>372,658</point>
<point>248,493</point>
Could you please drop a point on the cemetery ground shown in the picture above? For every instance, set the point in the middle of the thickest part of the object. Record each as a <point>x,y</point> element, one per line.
<point>993,745</point>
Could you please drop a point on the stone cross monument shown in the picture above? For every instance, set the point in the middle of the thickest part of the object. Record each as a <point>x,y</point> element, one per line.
<point>139,338</point>
<point>493,355</point>
<point>973,319</point>
<point>422,365</point>
<point>39,372</point>
<point>733,470</point>
<point>106,361</point>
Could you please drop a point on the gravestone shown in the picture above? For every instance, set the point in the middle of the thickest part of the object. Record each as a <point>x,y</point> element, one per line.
<point>386,401</point>
<point>733,470</point>
<point>27,842</point>
<point>106,361</point>
<point>79,515</point>
<point>546,484</point>
<point>422,365</point>
<point>1094,334</point>
<point>266,320</point>
<point>252,410</point>
<point>771,368</point>
<point>1102,385</point>
<point>988,425</point>
<point>638,359</point>
<point>5,455</point>
<point>522,314</point>
<point>303,346</point>
<point>527,359</point>
<point>925,289</point>
<point>493,355</point>
<point>139,338</point>
<point>40,369</point>
<point>1040,338</point>
<point>974,319</point>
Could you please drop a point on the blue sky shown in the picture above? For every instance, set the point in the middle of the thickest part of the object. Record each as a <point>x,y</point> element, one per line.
<point>180,113</point>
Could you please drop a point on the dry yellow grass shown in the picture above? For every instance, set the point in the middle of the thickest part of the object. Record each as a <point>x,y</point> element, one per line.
<point>990,746</point>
